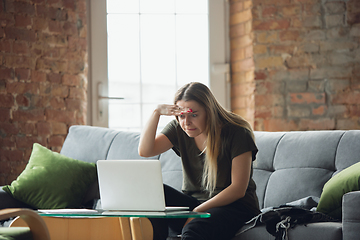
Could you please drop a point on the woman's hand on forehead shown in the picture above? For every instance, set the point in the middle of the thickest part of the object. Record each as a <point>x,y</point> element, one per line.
<point>170,110</point>
<point>173,110</point>
<point>186,110</point>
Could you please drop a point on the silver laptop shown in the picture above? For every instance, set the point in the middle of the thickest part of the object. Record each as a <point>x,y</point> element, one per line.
<point>132,185</point>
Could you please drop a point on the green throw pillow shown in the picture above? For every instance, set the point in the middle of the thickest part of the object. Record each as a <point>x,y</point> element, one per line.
<point>51,180</point>
<point>331,197</point>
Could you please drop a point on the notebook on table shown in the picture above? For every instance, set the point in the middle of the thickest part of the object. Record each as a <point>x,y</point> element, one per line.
<point>132,185</point>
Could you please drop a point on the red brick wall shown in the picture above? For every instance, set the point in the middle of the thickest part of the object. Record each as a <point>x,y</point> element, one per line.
<point>307,64</point>
<point>43,77</point>
<point>304,63</point>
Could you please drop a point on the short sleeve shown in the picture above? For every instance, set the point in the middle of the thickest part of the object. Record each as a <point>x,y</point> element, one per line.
<point>240,141</point>
<point>170,131</point>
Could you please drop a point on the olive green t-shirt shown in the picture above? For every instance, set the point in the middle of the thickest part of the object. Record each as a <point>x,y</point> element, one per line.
<point>235,141</point>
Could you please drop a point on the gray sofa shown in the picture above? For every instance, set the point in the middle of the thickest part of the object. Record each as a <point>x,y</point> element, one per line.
<point>289,166</point>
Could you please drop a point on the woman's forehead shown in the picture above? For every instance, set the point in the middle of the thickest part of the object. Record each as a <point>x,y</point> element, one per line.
<point>188,104</point>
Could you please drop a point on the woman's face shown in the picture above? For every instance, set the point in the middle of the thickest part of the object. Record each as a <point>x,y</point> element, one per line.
<point>193,118</point>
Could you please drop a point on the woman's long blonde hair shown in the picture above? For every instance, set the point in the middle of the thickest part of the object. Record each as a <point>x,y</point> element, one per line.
<point>216,117</point>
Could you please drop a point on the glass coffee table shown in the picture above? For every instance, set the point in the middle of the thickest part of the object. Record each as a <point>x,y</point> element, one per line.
<point>87,224</point>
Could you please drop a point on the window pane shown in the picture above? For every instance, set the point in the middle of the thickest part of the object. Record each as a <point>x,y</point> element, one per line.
<point>154,47</point>
<point>157,6</point>
<point>192,48</point>
<point>156,93</point>
<point>124,115</point>
<point>123,48</point>
<point>192,6</point>
<point>122,6</point>
<point>129,91</point>
<point>157,49</point>
<point>148,110</point>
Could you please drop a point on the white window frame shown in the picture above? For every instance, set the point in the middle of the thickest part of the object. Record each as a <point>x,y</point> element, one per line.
<point>219,58</point>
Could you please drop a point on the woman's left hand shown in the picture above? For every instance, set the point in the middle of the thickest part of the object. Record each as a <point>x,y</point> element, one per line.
<point>190,219</point>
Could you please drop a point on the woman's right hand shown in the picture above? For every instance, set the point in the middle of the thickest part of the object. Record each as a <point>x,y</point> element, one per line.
<point>150,144</point>
<point>169,110</point>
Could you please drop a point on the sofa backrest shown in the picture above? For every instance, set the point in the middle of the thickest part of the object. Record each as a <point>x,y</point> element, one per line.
<point>89,144</point>
<point>294,165</point>
<point>289,165</point>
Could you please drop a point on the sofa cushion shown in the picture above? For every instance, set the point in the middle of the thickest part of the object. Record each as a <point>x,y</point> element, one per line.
<point>331,198</point>
<point>298,163</point>
<point>264,164</point>
<point>87,143</point>
<point>348,150</point>
<point>297,183</point>
<point>171,168</point>
<point>51,180</point>
<point>125,146</point>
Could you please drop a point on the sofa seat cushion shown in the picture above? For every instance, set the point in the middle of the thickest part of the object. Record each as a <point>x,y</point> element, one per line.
<point>311,231</point>
<point>15,233</point>
<point>51,180</point>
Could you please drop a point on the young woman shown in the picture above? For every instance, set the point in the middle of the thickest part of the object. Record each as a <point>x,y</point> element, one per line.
<point>217,149</point>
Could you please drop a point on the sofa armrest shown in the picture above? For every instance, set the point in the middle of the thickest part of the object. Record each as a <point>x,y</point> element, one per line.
<point>351,215</point>
<point>7,201</point>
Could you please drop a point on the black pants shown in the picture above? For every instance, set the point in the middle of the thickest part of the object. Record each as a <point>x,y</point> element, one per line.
<point>223,224</point>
